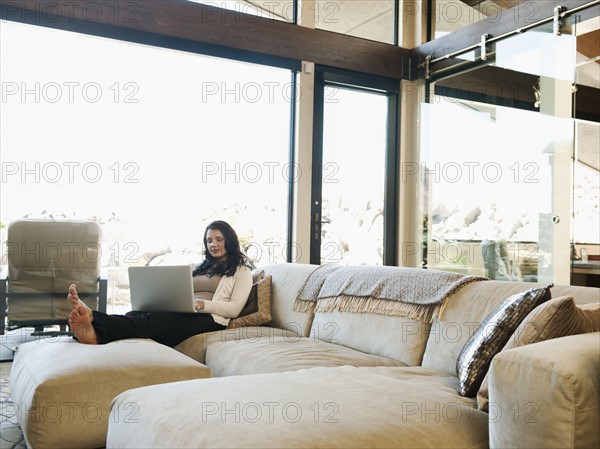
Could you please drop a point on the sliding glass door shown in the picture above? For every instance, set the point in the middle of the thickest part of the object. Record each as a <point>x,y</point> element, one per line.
<point>497,161</point>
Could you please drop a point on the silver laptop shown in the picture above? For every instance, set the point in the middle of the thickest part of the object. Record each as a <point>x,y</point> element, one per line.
<point>162,288</point>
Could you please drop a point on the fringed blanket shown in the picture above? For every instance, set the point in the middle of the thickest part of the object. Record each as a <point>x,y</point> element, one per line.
<point>412,292</point>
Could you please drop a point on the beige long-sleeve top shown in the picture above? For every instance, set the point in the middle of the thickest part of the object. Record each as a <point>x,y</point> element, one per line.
<point>230,296</point>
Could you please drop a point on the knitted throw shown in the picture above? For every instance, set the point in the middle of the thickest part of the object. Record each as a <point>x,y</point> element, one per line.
<point>412,292</point>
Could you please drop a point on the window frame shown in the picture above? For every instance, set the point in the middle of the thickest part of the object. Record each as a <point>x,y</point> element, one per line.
<point>328,76</point>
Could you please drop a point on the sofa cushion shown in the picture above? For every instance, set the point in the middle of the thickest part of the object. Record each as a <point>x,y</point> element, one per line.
<point>344,407</point>
<point>67,387</point>
<point>278,354</point>
<point>557,318</point>
<point>396,337</point>
<point>195,347</point>
<point>465,310</point>
<point>493,333</point>
<point>257,311</point>
<point>288,278</point>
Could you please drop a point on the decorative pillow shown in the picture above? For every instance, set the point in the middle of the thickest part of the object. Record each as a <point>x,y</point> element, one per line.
<point>251,305</point>
<point>252,302</point>
<point>260,296</point>
<point>557,318</point>
<point>257,275</point>
<point>492,334</point>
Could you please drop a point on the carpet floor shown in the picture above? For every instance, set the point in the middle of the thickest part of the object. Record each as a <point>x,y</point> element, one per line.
<point>11,436</point>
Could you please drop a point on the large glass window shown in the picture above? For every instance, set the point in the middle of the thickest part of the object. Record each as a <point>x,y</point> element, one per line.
<point>151,143</point>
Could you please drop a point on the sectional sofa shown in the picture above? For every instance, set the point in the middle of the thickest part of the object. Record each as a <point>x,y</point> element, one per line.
<point>336,377</point>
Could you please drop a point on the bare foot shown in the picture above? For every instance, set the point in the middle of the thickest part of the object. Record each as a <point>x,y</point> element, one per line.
<point>76,303</point>
<point>81,319</point>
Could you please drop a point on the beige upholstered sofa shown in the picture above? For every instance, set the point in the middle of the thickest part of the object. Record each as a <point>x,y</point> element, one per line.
<point>345,379</point>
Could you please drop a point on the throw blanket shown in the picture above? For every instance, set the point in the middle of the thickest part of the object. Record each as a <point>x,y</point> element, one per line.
<point>412,292</point>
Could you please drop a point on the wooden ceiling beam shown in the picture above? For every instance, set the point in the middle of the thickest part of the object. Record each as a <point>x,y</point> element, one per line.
<point>207,24</point>
<point>510,20</point>
<point>494,82</point>
<point>496,85</point>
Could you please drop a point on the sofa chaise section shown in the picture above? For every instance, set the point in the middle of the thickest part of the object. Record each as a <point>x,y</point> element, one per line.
<point>343,407</point>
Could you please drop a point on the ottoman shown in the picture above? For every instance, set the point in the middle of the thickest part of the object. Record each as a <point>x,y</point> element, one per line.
<point>63,389</point>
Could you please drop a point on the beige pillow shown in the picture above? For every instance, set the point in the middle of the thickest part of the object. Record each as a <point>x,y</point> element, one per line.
<point>257,275</point>
<point>493,333</point>
<point>259,300</point>
<point>559,317</point>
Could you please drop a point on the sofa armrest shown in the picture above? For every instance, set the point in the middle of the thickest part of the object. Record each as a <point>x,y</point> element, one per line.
<point>546,394</point>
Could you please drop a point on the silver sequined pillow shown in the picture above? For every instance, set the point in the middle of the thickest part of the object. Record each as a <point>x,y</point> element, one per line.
<point>491,336</point>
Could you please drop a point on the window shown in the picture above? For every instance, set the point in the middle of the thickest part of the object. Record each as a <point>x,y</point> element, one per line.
<point>354,178</point>
<point>151,143</point>
<point>353,186</point>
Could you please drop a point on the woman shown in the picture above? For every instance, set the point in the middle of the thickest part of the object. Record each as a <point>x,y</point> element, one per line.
<point>223,282</point>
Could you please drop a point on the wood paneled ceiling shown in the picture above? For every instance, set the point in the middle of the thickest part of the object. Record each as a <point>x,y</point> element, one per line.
<point>504,4</point>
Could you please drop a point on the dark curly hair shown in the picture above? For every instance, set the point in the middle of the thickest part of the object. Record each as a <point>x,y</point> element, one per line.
<point>235,257</point>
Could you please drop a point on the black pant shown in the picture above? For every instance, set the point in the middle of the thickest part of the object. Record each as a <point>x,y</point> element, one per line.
<point>168,328</point>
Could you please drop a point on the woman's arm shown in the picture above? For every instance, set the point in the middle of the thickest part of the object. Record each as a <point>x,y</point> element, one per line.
<point>229,305</point>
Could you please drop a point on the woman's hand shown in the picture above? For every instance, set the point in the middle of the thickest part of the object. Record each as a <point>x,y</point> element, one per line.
<point>198,304</point>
